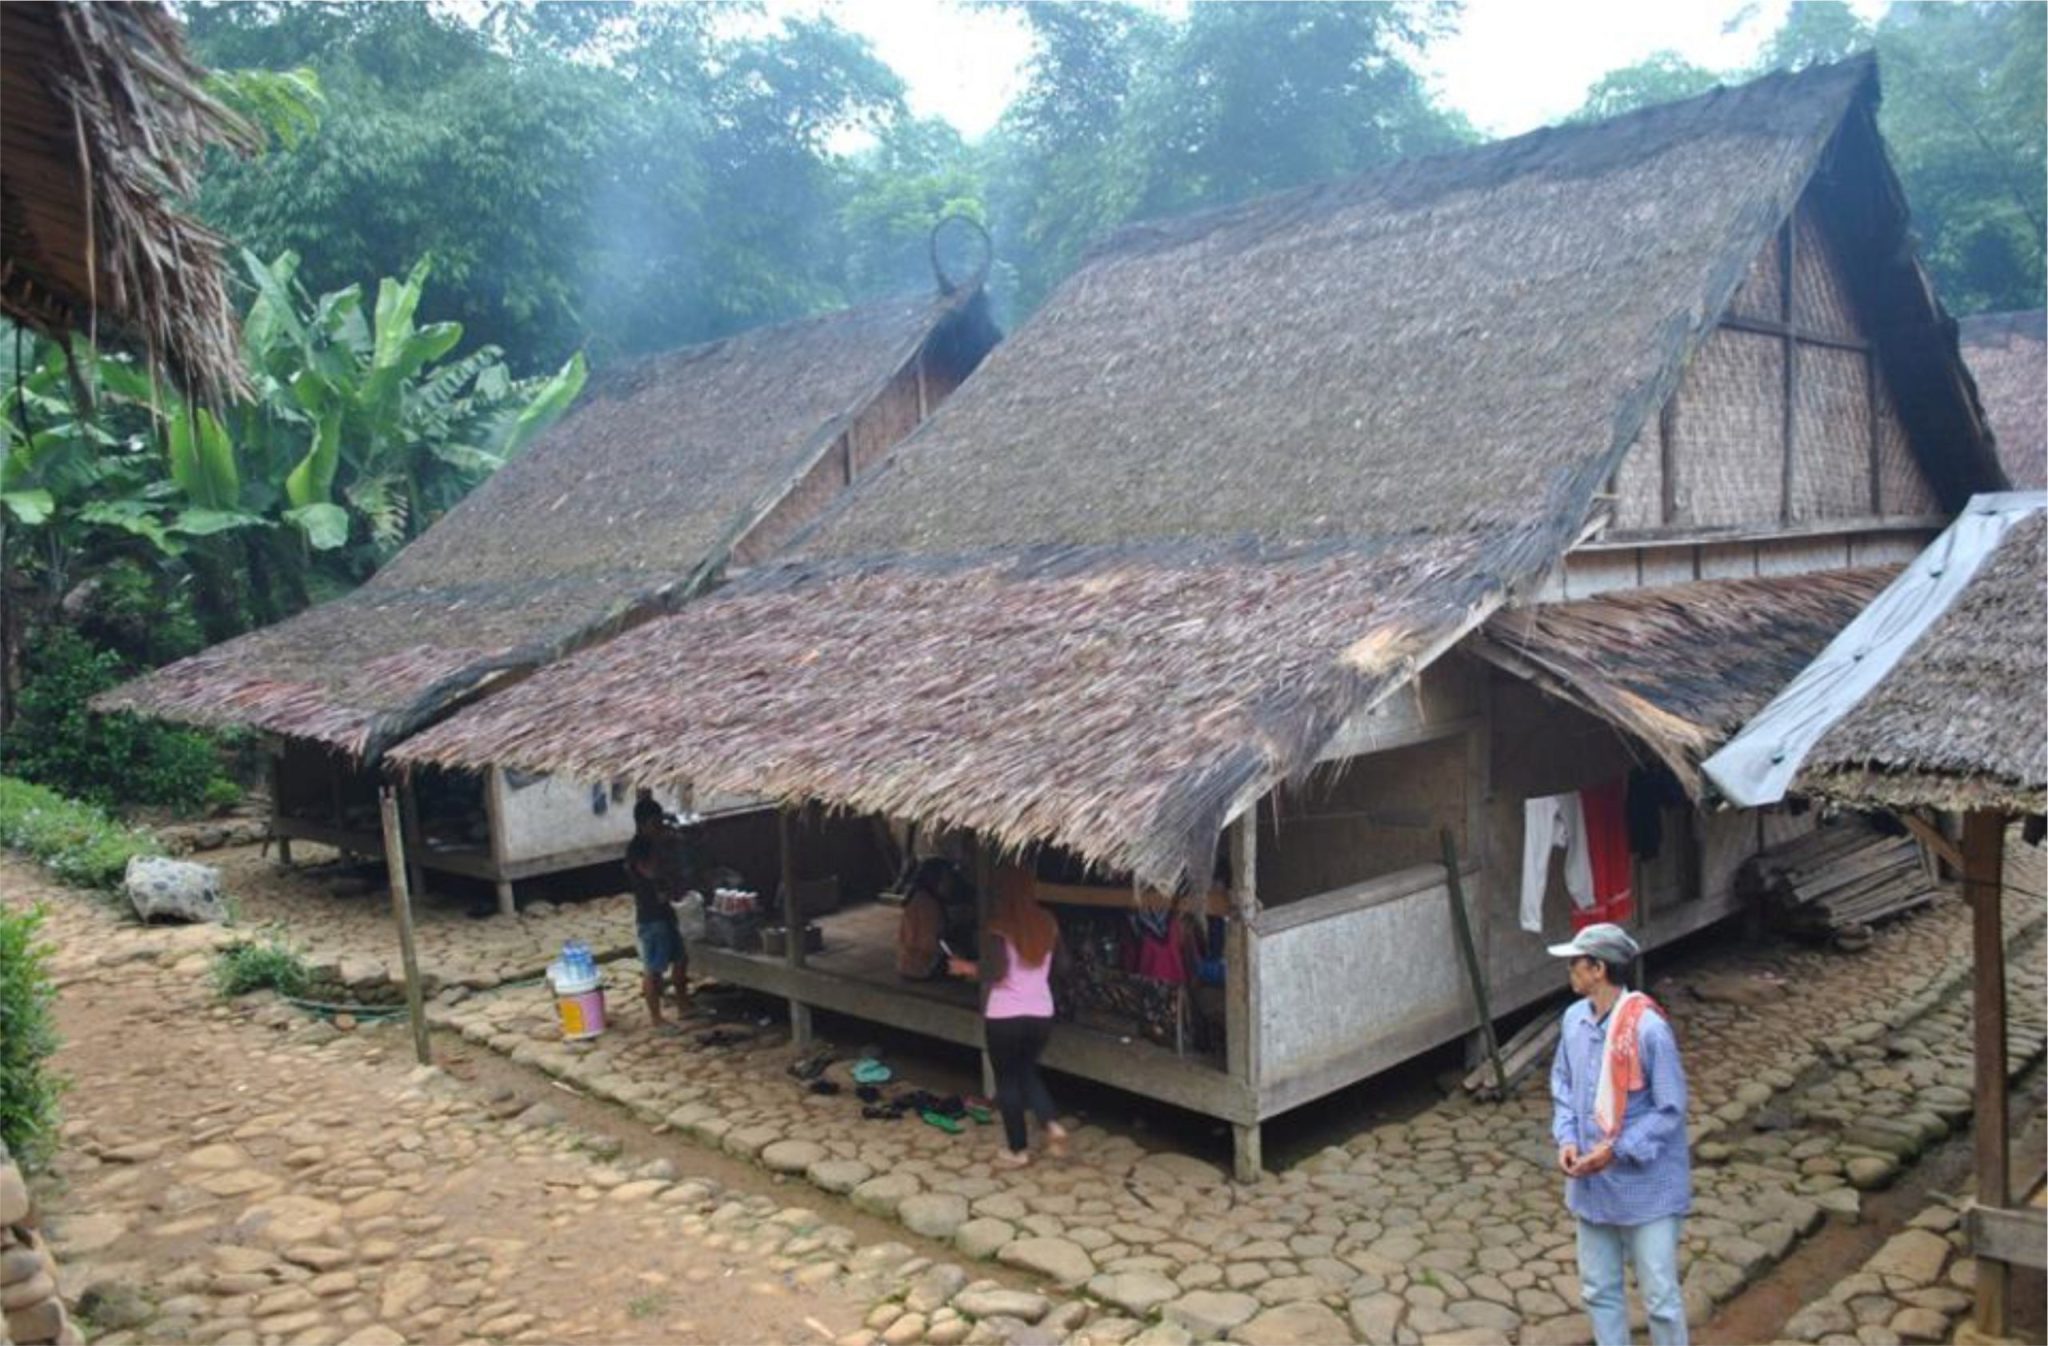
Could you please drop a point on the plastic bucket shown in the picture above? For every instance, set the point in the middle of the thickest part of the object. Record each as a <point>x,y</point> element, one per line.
<point>579,1002</point>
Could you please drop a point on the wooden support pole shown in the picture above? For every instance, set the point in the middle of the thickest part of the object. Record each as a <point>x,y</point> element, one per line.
<point>415,843</point>
<point>284,843</point>
<point>984,907</point>
<point>1461,925</point>
<point>401,914</point>
<point>1983,884</point>
<point>792,923</point>
<point>1241,987</point>
<point>494,821</point>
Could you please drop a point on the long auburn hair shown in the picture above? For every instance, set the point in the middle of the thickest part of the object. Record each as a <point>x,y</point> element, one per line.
<point>1017,916</point>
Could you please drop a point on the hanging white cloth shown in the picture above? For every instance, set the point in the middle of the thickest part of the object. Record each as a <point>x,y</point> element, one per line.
<point>1548,822</point>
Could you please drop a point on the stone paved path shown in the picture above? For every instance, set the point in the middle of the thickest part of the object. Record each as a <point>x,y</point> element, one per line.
<point>342,920</point>
<point>1815,1076</point>
<point>241,1173</point>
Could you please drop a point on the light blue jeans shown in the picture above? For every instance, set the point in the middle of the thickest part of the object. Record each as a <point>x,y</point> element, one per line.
<point>1653,1249</point>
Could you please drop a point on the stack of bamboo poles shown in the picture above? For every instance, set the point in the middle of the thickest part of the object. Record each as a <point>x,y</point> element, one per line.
<point>1839,881</point>
<point>1527,1051</point>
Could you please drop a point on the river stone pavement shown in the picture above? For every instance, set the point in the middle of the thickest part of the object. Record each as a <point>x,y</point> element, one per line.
<point>341,920</point>
<point>242,1173</point>
<point>1915,1288</point>
<point>1815,1075</point>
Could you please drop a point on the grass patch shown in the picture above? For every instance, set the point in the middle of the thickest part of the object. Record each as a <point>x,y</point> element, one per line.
<point>246,966</point>
<point>28,1036</point>
<point>76,842</point>
<point>646,1306</point>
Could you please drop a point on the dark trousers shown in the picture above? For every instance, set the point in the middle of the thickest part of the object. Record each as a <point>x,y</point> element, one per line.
<point>1013,1049</point>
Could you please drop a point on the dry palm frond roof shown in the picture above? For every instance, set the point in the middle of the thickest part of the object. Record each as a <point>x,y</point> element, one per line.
<point>1409,384</point>
<point>630,504</point>
<point>1118,704</point>
<point>103,122</point>
<point>2008,355</point>
<point>1960,722</point>
<point>1682,667</point>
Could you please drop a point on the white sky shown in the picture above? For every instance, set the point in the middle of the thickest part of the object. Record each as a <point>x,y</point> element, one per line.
<point>1513,65</point>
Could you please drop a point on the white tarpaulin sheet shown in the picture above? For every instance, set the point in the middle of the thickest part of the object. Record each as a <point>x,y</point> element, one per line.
<point>1758,765</point>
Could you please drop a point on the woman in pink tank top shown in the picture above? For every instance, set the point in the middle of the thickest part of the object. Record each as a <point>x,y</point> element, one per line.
<point>1018,946</point>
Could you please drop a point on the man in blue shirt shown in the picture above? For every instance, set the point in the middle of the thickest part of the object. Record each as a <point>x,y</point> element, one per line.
<point>1621,1140</point>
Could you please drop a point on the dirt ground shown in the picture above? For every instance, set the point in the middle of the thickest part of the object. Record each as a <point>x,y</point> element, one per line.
<point>256,1180</point>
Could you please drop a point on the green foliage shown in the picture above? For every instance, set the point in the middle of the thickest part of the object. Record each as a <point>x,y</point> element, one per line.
<point>102,759</point>
<point>1661,77</point>
<point>28,1038</point>
<point>619,177</point>
<point>247,965</point>
<point>74,841</point>
<point>1963,117</point>
<point>1126,115</point>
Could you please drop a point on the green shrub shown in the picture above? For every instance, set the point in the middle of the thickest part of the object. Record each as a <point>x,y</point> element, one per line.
<point>74,841</point>
<point>246,966</point>
<point>28,1091</point>
<point>102,759</point>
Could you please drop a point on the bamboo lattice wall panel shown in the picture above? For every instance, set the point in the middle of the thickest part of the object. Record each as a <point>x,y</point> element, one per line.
<point>1831,435</point>
<point>1729,432</point>
<point>1901,486</point>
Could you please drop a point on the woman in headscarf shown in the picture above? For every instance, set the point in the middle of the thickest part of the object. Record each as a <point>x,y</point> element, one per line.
<point>1018,946</point>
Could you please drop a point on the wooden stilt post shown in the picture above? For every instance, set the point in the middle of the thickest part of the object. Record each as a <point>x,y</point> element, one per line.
<point>1240,988</point>
<point>494,821</point>
<point>276,773</point>
<point>401,913</point>
<point>1468,952</point>
<point>409,819</point>
<point>1983,884</point>
<point>792,923</point>
<point>984,905</point>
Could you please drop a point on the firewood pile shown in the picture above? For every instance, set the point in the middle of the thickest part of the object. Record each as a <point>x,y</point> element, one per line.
<point>1838,882</point>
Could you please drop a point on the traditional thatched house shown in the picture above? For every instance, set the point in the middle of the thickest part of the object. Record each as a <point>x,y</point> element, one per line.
<point>668,473</point>
<point>2008,356</point>
<point>1219,573</point>
<point>103,120</point>
<point>1932,700</point>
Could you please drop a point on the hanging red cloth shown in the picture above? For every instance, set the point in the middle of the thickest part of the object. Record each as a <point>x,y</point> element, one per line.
<point>1606,809</point>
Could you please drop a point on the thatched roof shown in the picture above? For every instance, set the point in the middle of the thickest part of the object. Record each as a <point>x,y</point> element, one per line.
<point>1682,667</point>
<point>1389,401</point>
<point>103,121</point>
<point>2008,355</point>
<point>632,504</point>
<point>1953,717</point>
<point>1961,722</point>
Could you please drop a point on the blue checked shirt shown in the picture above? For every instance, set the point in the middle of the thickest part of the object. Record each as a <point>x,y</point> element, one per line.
<point>1651,1176</point>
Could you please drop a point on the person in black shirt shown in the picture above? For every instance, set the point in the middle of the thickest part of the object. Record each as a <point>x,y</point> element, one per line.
<point>659,871</point>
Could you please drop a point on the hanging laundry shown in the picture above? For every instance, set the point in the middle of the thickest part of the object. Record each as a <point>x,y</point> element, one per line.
<point>1651,790</point>
<point>1606,817</point>
<point>1548,822</point>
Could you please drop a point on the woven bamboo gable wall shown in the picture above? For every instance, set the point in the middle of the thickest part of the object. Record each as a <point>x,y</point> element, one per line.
<point>1792,335</point>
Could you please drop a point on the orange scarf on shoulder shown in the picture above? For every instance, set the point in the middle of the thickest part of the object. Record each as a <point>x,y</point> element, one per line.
<point>1621,1064</point>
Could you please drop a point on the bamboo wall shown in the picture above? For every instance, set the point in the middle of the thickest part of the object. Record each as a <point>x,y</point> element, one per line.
<point>1724,437</point>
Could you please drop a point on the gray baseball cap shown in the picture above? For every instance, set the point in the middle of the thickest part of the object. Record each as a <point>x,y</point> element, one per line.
<point>1609,943</point>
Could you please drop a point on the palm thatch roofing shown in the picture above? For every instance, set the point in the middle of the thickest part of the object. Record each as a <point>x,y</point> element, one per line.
<point>1961,721</point>
<point>630,505</point>
<point>1684,666</point>
<point>2008,356</point>
<point>1242,475</point>
<point>103,121</point>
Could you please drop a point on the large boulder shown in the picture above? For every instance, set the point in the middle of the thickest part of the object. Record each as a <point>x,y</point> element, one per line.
<point>178,890</point>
